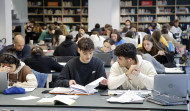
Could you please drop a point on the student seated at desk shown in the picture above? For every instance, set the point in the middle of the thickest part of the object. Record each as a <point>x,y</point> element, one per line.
<point>130,71</point>
<point>107,46</point>
<point>158,50</point>
<point>22,50</point>
<point>42,63</point>
<point>19,74</point>
<point>66,48</point>
<point>47,35</point>
<point>84,69</point>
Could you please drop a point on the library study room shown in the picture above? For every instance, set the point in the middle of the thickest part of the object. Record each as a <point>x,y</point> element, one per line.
<point>95,55</point>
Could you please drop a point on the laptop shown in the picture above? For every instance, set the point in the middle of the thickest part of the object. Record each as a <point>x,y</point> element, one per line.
<point>174,84</point>
<point>105,57</point>
<point>3,81</point>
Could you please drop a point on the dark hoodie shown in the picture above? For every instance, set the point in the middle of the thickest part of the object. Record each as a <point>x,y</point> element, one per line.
<point>66,48</point>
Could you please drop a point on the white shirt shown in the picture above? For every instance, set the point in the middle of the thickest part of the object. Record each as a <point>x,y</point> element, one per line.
<point>98,41</point>
<point>144,80</point>
<point>176,30</point>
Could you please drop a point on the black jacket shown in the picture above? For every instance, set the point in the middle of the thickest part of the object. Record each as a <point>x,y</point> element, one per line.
<point>66,48</point>
<point>25,53</point>
<point>43,64</point>
<point>80,72</point>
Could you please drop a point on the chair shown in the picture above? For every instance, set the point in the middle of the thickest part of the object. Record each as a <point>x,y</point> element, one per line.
<point>42,79</point>
<point>63,58</point>
<point>49,79</point>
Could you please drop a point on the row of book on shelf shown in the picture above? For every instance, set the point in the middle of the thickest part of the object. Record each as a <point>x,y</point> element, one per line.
<point>65,3</point>
<point>160,18</point>
<point>162,2</point>
<point>125,3</point>
<point>65,11</point>
<point>64,19</point>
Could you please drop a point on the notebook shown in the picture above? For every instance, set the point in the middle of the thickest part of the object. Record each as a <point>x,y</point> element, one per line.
<point>3,81</point>
<point>174,84</point>
<point>127,97</point>
<point>78,89</point>
<point>105,57</point>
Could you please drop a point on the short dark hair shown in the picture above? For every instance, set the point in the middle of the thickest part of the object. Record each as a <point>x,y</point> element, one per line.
<point>130,34</point>
<point>128,21</point>
<point>10,57</point>
<point>171,23</point>
<point>51,27</point>
<point>69,37</point>
<point>164,31</point>
<point>165,26</point>
<point>36,51</point>
<point>107,25</point>
<point>97,25</point>
<point>116,32</point>
<point>127,50</point>
<point>176,20</point>
<point>109,40</point>
<point>86,44</point>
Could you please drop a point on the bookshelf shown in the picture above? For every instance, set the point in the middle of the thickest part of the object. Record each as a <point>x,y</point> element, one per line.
<point>68,12</point>
<point>142,13</point>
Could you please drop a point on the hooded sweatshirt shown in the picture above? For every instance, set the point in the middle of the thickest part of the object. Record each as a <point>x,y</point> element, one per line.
<point>23,77</point>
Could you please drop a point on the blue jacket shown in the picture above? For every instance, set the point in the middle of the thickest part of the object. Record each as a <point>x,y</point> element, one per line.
<point>25,53</point>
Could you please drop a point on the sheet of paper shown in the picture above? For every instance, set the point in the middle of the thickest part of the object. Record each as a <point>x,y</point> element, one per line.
<point>68,96</point>
<point>62,63</point>
<point>128,96</point>
<point>46,101</point>
<point>61,90</point>
<point>51,101</point>
<point>93,84</point>
<point>173,70</point>
<point>29,89</point>
<point>27,98</point>
<point>112,92</point>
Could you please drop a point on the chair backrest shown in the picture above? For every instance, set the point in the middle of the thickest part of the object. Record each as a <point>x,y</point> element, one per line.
<point>42,79</point>
<point>63,58</point>
<point>49,79</point>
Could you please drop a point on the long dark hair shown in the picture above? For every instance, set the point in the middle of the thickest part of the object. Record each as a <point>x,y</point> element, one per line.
<point>36,51</point>
<point>116,32</point>
<point>155,48</point>
<point>55,39</point>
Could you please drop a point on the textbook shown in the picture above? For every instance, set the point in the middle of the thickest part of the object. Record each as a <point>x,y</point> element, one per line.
<point>78,89</point>
<point>63,99</point>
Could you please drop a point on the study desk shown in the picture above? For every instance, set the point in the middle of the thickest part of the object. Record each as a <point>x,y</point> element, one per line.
<point>84,103</point>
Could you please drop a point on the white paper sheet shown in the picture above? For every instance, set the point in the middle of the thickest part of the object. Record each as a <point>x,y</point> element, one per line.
<point>27,98</point>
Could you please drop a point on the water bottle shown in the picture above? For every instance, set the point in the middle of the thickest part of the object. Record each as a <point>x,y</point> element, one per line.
<point>170,46</point>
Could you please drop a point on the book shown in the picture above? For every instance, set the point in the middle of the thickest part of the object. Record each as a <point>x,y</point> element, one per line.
<point>64,99</point>
<point>127,97</point>
<point>78,89</point>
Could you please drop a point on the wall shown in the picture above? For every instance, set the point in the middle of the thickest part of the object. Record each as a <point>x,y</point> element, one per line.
<point>6,21</point>
<point>103,12</point>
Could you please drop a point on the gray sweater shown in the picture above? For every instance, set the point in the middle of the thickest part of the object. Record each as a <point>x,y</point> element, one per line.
<point>158,67</point>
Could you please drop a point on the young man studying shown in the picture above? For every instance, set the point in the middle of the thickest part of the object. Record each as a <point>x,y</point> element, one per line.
<point>130,71</point>
<point>84,69</point>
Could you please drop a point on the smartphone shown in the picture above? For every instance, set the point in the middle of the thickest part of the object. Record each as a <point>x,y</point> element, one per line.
<point>104,93</point>
<point>45,91</point>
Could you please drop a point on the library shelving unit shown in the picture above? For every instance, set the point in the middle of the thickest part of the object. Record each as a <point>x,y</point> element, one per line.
<point>142,12</point>
<point>68,12</point>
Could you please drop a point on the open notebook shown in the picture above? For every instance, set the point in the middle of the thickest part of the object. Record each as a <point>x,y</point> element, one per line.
<point>64,99</point>
<point>127,97</point>
<point>78,89</point>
